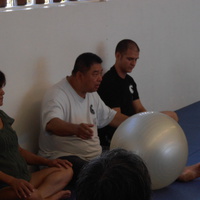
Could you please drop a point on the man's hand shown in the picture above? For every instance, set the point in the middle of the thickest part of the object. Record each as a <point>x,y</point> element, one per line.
<point>59,163</point>
<point>84,131</point>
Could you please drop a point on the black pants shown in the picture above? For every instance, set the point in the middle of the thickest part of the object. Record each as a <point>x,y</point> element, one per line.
<point>78,164</point>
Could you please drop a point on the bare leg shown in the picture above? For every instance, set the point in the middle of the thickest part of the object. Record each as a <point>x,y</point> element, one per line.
<point>57,196</point>
<point>60,195</point>
<point>9,194</point>
<point>171,114</point>
<point>190,173</point>
<point>50,181</point>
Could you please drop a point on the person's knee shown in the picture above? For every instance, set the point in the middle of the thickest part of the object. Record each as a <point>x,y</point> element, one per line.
<point>65,175</point>
<point>68,172</point>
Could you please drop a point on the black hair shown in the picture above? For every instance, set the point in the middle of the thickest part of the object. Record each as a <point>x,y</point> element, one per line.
<point>126,44</point>
<point>2,79</point>
<point>115,175</point>
<point>85,61</point>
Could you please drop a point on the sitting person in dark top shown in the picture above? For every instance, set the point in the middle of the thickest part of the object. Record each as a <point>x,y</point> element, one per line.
<point>118,89</point>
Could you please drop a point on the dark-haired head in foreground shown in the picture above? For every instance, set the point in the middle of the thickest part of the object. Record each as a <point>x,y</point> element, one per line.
<point>115,175</point>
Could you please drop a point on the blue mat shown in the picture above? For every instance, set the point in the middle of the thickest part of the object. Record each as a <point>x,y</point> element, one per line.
<point>189,120</point>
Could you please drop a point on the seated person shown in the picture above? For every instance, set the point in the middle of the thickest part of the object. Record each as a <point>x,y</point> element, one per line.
<point>16,182</point>
<point>115,175</point>
<point>71,112</point>
<point>119,91</point>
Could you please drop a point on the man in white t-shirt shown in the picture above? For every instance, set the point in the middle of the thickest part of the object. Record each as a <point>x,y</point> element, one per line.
<point>71,113</point>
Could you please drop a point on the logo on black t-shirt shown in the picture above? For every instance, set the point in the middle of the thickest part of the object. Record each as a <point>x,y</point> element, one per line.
<point>91,109</point>
<point>131,89</point>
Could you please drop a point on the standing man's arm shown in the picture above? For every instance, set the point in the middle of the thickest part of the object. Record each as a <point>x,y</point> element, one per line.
<point>118,119</point>
<point>138,107</point>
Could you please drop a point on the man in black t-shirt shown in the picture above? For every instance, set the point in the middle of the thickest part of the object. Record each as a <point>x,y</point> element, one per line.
<point>118,89</point>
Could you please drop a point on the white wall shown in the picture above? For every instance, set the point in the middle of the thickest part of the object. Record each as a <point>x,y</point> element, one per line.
<point>38,48</point>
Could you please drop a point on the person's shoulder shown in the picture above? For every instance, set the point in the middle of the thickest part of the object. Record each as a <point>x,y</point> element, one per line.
<point>130,78</point>
<point>2,113</point>
<point>62,83</point>
<point>111,75</point>
<point>108,74</point>
<point>56,90</point>
<point>58,86</point>
<point>8,118</point>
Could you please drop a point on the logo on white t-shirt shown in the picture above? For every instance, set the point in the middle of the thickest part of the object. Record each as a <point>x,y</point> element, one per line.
<point>131,89</point>
<point>91,109</point>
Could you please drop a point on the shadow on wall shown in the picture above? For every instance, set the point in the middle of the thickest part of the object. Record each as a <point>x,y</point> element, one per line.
<point>27,121</point>
<point>101,50</point>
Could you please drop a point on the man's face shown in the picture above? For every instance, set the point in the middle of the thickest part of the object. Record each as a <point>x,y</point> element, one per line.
<point>127,60</point>
<point>92,78</point>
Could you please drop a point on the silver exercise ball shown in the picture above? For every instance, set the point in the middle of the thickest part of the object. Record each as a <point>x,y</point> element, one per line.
<point>159,141</point>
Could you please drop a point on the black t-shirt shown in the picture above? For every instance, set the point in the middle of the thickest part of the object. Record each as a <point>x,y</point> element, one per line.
<point>116,92</point>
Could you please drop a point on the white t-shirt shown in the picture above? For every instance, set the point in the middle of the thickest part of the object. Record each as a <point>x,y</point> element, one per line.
<point>62,101</point>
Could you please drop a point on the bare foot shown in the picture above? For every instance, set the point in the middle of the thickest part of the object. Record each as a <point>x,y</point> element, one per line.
<point>60,195</point>
<point>190,173</point>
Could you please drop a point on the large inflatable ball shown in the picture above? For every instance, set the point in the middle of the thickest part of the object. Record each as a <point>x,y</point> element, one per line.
<point>159,141</point>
